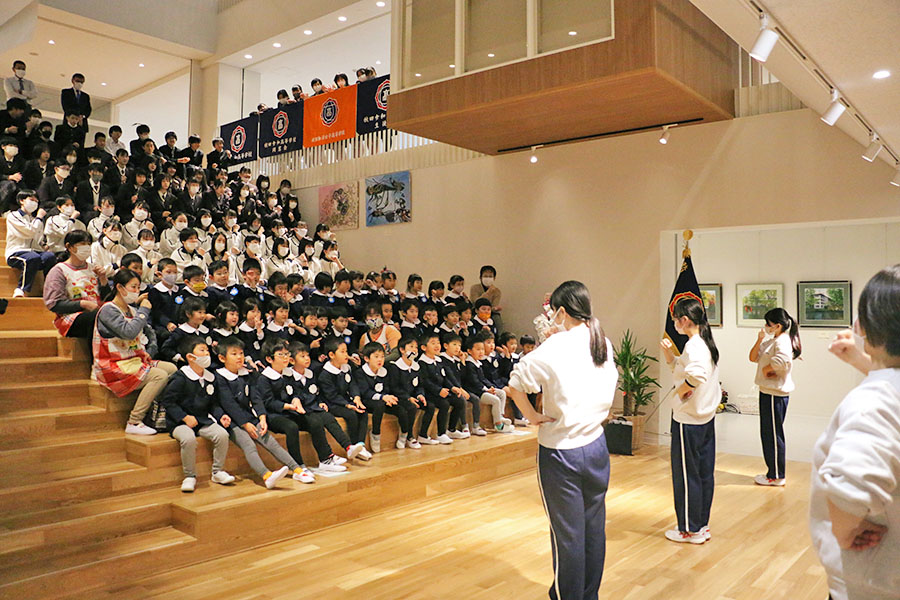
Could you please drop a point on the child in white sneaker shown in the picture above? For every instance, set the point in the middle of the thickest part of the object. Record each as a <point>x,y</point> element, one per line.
<point>192,410</point>
<point>482,391</point>
<point>437,387</point>
<point>452,358</point>
<point>369,384</point>
<point>404,382</point>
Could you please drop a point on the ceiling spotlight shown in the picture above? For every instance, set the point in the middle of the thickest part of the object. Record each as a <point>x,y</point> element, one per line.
<point>452,66</point>
<point>896,179</point>
<point>248,56</point>
<point>664,138</point>
<point>51,42</point>
<point>534,157</point>
<point>102,83</point>
<point>141,65</point>
<point>418,74</point>
<point>881,74</point>
<point>873,149</point>
<point>379,4</point>
<point>342,18</point>
<point>573,33</point>
<point>834,111</point>
<point>307,32</point>
<point>765,41</point>
<point>490,55</point>
<point>377,62</point>
<point>276,45</point>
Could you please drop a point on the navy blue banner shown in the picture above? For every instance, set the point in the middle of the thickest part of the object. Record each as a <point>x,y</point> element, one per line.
<point>371,104</point>
<point>281,129</point>
<point>241,138</point>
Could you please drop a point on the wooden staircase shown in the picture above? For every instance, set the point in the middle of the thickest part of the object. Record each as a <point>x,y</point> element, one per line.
<point>83,505</point>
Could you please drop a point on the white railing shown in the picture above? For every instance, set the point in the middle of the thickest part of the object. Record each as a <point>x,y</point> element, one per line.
<point>759,92</point>
<point>363,156</point>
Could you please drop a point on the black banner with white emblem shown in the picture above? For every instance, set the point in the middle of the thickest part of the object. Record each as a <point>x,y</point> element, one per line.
<point>371,104</point>
<point>240,138</point>
<point>281,129</point>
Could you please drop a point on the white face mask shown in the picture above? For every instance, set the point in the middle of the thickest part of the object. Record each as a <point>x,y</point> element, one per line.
<point>220,246</point>
<point>292,204</point>
<point>148,244</point>
<point>279,232</point>
<point>180,225</point>
<point>71,160</point>
<point>770,330</point>
<point>62,173</point>
<point>254,248</point>
<point>301,233</point>
<point>487,281</point>
<point>77,85</point>
<point>229,223</point>
<point>140,214</point>
<point>332,255</point>
<point>203,361</point>
<point>206,221</point>
<point>11,150</point>
<point>263,185</point>
<point>20,73</point>
<point>285,190</point>
<point>245,193</point>
<point>67,210</point>
<point>107,211</point>
<point>282,251</point>
<point>192,190</point>
<point>170,278</point>
<point>114,236</point>
<point>272,203</point>
<point>131,297</point>
<point>83,252</point>
<point>191,246</point>
<point>555,325</point>
<point>310,250</point>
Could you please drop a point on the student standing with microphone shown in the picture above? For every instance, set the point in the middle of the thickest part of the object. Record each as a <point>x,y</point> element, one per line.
<point>575,370</point>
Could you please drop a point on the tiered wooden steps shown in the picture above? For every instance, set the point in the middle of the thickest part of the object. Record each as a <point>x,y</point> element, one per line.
<point>82,504</point>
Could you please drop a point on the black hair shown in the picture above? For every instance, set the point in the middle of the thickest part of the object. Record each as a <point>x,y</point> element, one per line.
<point>486,269</point>
<point>337,312</point>
<point>232,341</point>
<point>471,341</point>
<point>505,337</point>
<point>250,263</point>
<point>249,304</point>
<point>575,298</point>
<point>273,345</point>
<point>163,263</point>
<point>406,303</point>
<point>370,349</point>
<point>114,128</point>
<point>484,302</point>
<point>192,271</point>
<point>60,200</point>
<point>186,234</point>
<point>309,311</point>
<point>192,304</point>
<point>188,345</point>
<point>142,129</point>
<point>426,336</point>
<point>450,337</point>
<point>321,311</point>
<point>322,281</point>
<point>342,275</point>
<point>293,279</point>
<point>450,308</point>
<point>388,274</point>
<point>356,276</point>
<point>216,265</point>
<point>315,81</point>
<point>121,277</point>
<point>879,308</point>
<point>437,284</point>
<point>694,311</point>
<point>222,310</point>
<point>527,340</point>
<point>341,76</point>
<point>277,303</point>
<point>779,316</point>
<point>332,344</point>
<point>99,135</point>
<point>373,307</point>
<point>277,278</point>
<point>484,335</point>
<point>406,340</point>
<point>430,306</point>
<point>298,347</point>
<point>413,277</point>
<point>73,238</point>
<point>131,258</point>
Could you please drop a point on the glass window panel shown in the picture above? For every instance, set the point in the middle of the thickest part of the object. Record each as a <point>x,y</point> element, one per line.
<point>565,23</point>
<point>495,32</point>
<point>428,45</point>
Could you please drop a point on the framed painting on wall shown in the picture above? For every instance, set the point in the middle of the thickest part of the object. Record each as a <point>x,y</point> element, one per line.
<point>388,199</point>
<point>712,302</point>
<point>825,303</point>
<point>754,300</point>
<point>339,205</point>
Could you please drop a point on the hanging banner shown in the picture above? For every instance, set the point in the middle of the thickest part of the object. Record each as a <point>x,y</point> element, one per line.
<point>240,138</point>
<point>281,129</point>
<point>371,104</point>
<point>329,117</point>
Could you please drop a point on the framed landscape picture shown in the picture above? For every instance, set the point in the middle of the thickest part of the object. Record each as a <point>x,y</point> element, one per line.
<point>712,302</point>
<point>754,300</point>
<point>825,303</point>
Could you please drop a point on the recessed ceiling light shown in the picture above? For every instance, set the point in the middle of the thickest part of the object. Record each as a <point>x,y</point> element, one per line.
<point>573,33</point>
<point>881,74</point>
<point>379,4</point>
<point>248,56</point>
<point>418,74</point>
<point>491,55</point>
<point>102,83</point>
<point>141,65</point>
<point>377,62</point>
<point>276,45</point>
<point>307,32</point>
<point>342,18</point>
<point>452,66</point>
<point>50,42</point>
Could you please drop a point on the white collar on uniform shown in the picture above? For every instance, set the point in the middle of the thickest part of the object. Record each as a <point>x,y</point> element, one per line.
<point>187,328</point>
<point>232,376</point>
<point>305,375</point>
<point>429,361</point>
<point>271,374</point>
<point>190,374</point>
<point>273,326</point>
<point>318,293</point>
<point>222,331</point>
<point>406,323</point>
<point>489,322</point>
<point>448,357</point>
<point>368,371</point>
<point>161,287</point>
<point>401,364</point>
<point>335,370</point>
<point>477,363</point>
<point>340,295</point>
<point>217,286</point>
<point>244,327</point>
<point>341,333</point>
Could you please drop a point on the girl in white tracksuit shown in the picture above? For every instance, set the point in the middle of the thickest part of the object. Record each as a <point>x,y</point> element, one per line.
<point>855,493</point>
<point>776,348</point>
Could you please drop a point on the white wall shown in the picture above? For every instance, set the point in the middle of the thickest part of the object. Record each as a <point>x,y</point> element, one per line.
<point>781,254</point>
<point>164,108</point>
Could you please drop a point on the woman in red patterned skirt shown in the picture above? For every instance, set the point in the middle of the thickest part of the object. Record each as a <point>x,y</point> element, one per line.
<point>72,288</point>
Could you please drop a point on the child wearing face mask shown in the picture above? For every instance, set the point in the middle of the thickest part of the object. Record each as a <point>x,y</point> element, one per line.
<point>72,289</point>
<point>60,224</point>
<point>192,410</point>
<point>219,250</point>
<point>140,220</point>
<point>108,250</point>
<point>776,347</point>
<point>457,289</point>
<point>107,210</point>
<point>169,241</point>
<point>147,251</point>
<point>290,214</point>
<point>276,230</point>
<point>205,228</point>
<point>163,315</point>
<point>485,288</point>
<point>190,252</point>
<point>280,261</point>
<point>254,229</point>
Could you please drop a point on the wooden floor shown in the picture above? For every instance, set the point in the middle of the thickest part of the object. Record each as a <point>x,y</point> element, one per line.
<point>492,542</point>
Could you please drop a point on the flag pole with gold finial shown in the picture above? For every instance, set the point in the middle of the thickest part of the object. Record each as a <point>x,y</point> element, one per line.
<point>688,236</point>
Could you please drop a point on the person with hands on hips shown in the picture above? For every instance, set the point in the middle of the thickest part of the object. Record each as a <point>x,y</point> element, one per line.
<point>575,370</point>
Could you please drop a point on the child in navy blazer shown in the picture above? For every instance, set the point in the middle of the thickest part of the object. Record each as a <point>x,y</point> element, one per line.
<point>405,383</point>
<point>368,383</point>
<point>481,390</point>
<point>452,358</point>
<point>195,316</point>
<point>334,384</point>
<point>437,387</point>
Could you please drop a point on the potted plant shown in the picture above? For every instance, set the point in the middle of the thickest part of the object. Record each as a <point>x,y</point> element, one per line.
<point>635,384</point>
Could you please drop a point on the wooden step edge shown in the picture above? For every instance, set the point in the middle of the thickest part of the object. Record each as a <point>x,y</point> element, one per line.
<point>121,468</point>
<point>32,385</point>
<point>63,411</point>
<point>100,437</point>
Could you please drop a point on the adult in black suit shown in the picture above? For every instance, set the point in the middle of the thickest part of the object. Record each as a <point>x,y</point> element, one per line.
<point>75,101</point>
<point>89,192</point>
<point>55,185</point>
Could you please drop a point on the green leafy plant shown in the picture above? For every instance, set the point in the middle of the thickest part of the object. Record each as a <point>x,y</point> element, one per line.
<point>636,385</point>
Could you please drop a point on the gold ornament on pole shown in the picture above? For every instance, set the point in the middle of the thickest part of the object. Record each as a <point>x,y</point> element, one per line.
<point>687,235</point>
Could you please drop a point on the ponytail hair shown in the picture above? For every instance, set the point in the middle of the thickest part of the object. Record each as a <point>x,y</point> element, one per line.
<point>694,311</point>
<point>76,236</point>
<point>779,316</point>
<point>122,277</point>
<point>575,298</point>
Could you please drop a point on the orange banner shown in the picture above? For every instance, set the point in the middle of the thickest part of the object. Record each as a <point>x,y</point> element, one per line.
<point>329,117</point>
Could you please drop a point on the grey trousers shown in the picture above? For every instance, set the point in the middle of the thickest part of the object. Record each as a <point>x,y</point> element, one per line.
<point>246,443</point>
<point>215,433</point>
<point>497,402</point>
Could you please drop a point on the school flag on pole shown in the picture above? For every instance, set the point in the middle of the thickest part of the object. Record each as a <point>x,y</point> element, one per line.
<point>371,104</point>
<point>329,117</point>
<point>281,129</point>
<point>686,286</point>
<point>240,138</point>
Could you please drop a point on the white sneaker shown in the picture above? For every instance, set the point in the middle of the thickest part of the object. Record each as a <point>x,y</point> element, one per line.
<point>375,443</point>
<point>303,475</point>
<point>20,294</point>
<point>330,466</point>
<point>354,450</point>
<point>444,439</point>
<point>139,429</point>
<point>411,443</point>
<point>503,428</point>
<point>275,477</point>
<point>364,454</point>
<point>188,484</point>
<point>222,478</point>
<point>479,431</point>
<point>427,441</point>
<point>764,480</point>
<point>505,421</point>
<point>338,460</point>
<point>684,537</point>
<point>521,422</point>
<point>456,435</point>
<point>704,531</point>
<point>401,442</point>
<point>465,432</point>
